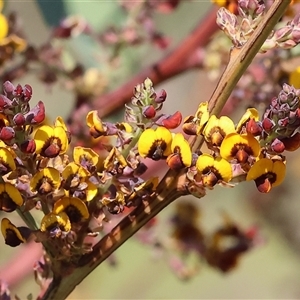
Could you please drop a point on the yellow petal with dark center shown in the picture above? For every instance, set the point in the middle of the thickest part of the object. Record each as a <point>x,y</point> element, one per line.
<point>14,193</point>
<point>224,168</point>
<point>279,168</point>
<point>51,175</point>
<point>82,155</point>
<point>7,159</point>
<point>238,140</point>
<point>11,233</point>
<point>260,167</point>
<point>52,220</point>
<point>41,136</point>
<point>165,135</point>
<point>60,133</point>
<point>204,161</point>
<point>179,142</point>
<point>146,141</point>
<point>73,207</point>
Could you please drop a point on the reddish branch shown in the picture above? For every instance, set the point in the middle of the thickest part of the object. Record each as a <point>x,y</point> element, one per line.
<point>178,61</point>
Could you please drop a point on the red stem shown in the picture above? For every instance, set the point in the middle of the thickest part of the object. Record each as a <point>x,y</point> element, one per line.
<point>169,66</point>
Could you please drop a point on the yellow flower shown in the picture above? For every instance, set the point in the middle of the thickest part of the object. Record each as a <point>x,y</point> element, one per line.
<point>216,130</point>
<point>73,175</point>
<point>194,124</point>
<point>51,141</point>
<point>181,156</point>
<point>85,157</point>
<point>251,113</point>
<point>10,197</point>
<point>55,223</point>
<point>95,124</point>
<point>3,23</point>
<point>7,162</point>
<point>294,78</point>
<point>213,170</point>
<point>115,161</point>
<point>11,233</point>
<point>45,181</point>
<point>73,207</point>
<point>155,144</point>
<point>239,147</point>
<point>267,173</point>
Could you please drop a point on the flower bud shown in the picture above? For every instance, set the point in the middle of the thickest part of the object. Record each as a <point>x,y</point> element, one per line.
<point>277,146</point>
<point>253,127</point>
<point>149,112</point>
<point>28,147</point>
<point>27,92</point>
<point>18,91</point>
<point>7,134</point>
<point>170,122</point>
<point>161,97</point>
<point>267,124</point>
<point>8,87</point>
<point>19,119</point>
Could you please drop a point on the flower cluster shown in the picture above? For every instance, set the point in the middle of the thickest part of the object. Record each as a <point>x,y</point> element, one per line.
<point>77,189</point>
<point>251,150</point>
<point>251,12</point>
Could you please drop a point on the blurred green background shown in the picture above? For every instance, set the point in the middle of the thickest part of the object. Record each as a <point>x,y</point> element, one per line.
<point>271,271</point>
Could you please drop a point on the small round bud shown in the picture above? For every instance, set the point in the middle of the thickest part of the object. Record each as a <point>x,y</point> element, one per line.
<point>27,92</point>
<point>7,134</point>
<point>277,146</point>
<point>18,91</point>
<point>149,112</point>
<point>267,124</point>
<point>253,127</point>
<point>19,119</point>
<point>161,97</point>
<point>8,87</point>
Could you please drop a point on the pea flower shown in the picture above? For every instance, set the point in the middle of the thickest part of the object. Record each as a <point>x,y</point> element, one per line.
<point>267,173</point>
<point>155,144</point>
<point>213,170</point>
<point>240,147</point>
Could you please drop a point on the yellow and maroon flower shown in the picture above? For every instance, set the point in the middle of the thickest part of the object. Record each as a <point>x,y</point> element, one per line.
<point>193,125</point>
<point>86,157</point>
<point>250,114</point>
<point>73,175</point>
<point>73,207</point>
<point>213,170</point>
<point>45,181</point>
<point>95,124</point>
<point>267,173</point>
<point>240,147</point>
<point>181,156</point>
<point>11,233</point>
<point>10,197</point>
<point>55,223</point>
<point>115,161</point>
<point>7,162</point>
<point>216,130</point>
<point>51,141</point>
<point>155,144</point>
